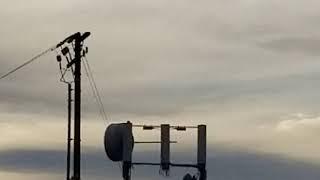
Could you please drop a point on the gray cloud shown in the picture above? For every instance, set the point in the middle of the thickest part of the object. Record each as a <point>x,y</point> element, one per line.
<point>304,45</point>
<point>236,66</point>
<point>222,164</point>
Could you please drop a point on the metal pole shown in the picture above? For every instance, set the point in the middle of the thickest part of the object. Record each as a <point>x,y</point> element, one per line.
<point>69,131</point>
<point>165,148</point>
<point>202,151</point>
<point>127,151</point>
<point>77,107</point>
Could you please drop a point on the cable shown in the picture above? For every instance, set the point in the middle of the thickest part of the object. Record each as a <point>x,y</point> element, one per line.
<point>63,71</point>
<point>94,92</point>
<point>28,62</point>
<point>94,89</point>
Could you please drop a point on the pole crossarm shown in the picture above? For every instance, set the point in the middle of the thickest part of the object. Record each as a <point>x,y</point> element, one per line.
<point>151,127</point>
<point>159,164</point>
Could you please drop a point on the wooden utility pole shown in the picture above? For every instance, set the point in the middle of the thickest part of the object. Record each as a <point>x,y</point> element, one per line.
<point>77,39</point>
<point>77,107</point>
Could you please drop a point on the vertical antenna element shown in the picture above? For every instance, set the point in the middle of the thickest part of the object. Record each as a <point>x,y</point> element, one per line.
<point>127,140</point>
<point>202,151</point>
<point>165,147</point>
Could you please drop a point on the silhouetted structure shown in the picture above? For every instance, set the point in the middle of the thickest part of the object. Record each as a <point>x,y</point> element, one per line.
<point>119,143</point>
<point>77,41</point>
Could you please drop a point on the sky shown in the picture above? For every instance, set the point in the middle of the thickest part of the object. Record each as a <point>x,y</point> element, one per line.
<point>247,69</point>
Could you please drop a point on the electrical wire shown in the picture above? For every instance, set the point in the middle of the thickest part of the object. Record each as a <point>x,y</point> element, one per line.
<point>28,62</point>
<point>63,71</point>
<point>94,92</point>
<point>94,89</point>
<point>97,91</point>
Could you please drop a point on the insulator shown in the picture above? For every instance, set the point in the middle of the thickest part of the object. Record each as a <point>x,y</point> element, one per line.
<point>65,50</point>
<point>181,128</point>
<point>86,49</point>
<point>59,58</point>
<point>148,127</point>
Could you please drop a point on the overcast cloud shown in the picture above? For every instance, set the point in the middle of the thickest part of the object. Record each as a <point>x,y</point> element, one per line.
<point>248,69</point>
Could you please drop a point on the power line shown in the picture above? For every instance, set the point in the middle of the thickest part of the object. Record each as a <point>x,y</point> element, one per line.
<point>94,92</point>
<point>27,62</point>
<point>94,89</point>
<point>97,91</point>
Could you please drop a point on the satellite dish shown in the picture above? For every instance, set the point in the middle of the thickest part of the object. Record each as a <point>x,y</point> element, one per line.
<point>114,139</point>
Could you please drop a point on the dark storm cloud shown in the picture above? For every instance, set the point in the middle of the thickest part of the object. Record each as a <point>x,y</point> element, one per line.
<point>222,164</point>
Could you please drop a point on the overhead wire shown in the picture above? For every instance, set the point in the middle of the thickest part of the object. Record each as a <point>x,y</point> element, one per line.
<point>63,71</point>
<point>93,92</point>
<point>28,62</point>
<point>95,86</point>
<point>96,93</point>
<point>88,70</point>
<point>94,89</point>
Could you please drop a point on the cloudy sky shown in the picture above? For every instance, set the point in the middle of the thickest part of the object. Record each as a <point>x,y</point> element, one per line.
<point>248,69</point>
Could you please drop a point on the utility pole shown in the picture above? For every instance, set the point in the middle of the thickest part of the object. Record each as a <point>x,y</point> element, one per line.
<point>77,106</point>
<point>77,40</point>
